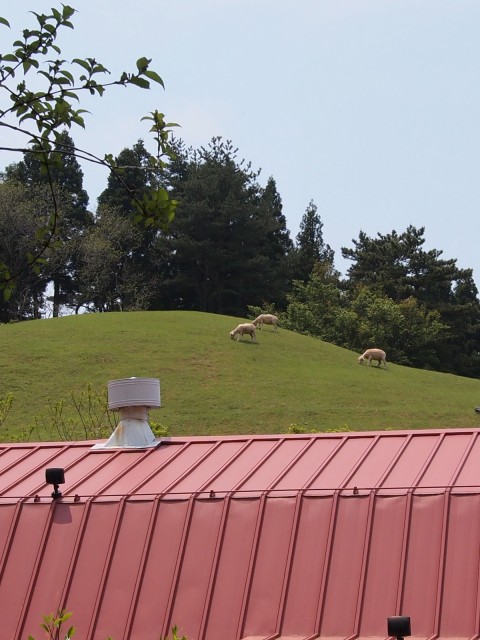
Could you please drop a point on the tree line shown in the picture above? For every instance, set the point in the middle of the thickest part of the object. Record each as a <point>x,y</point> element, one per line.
<point>227,250</point>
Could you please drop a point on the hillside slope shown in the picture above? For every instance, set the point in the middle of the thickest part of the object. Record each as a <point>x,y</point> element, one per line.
<point>213,385</point>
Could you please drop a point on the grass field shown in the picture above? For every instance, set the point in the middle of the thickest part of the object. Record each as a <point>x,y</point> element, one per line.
<point>211,385</point>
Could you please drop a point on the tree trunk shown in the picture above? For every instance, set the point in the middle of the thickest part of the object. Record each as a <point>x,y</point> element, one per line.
<point>56,296</point>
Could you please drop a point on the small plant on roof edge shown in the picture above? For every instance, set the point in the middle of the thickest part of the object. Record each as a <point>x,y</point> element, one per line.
<point>175,635</point>
<point>296,428</point>
<point>53,623</point>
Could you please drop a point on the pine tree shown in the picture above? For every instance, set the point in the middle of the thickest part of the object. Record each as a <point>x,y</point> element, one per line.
<point>397,265</point>
<point>310,248</point>
<point>229,241</point>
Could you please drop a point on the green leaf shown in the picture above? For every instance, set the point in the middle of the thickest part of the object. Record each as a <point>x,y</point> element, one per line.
<point>28,64</point>
<point>153,75</point>
<point>82,63</point>
<point>70,94</point>
<point>27,116</point>
<point>47,76</point>
<point>21,109</point>
<point>99,68</point>
<point>40,234</point>
<point>140,82</point>
<point>142,64</point>
<point>67,75</point>
<point>68,12</point>
<point>4,21</point>
<point>79,120</point>
<point>61,81</point>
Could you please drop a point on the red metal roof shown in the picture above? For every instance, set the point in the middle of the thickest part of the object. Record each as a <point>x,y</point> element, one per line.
<point>297,536</point>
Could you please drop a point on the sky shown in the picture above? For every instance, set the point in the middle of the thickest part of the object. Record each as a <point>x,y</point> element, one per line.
<point>368,108</point>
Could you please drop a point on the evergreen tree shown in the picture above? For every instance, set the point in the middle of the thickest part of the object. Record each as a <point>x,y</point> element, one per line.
<point>310,248</point>
<point>133,177</point>
<point>278,246</point>
<point>228,242</point>
<point>384,262</point>
<point>396,265</point>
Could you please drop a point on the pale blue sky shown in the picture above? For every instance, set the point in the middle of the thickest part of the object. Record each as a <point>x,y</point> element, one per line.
<point>370,108</point>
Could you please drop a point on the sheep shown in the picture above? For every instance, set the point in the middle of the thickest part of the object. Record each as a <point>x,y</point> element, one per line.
<point>266,318</point>
<point>239,330</point>
<point>374,354</point>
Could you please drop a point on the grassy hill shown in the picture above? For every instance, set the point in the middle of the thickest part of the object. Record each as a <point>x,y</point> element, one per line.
<point>213,385</point>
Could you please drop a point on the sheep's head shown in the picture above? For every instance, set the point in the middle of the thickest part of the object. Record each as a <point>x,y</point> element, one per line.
<point>232,334</point>
<point>360,359</point>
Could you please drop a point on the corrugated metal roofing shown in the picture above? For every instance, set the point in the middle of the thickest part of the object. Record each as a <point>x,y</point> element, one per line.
<point>297,536</point>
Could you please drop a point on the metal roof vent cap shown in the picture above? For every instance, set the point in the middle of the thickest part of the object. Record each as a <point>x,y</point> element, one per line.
<point>132,397</point>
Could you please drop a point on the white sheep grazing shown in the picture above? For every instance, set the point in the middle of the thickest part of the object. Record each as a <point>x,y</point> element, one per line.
<point>374,354</point>
<point>266,318</point>
<point>247,327</point>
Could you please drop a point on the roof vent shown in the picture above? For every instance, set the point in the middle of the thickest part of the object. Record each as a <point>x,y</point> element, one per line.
<point>132,397</point>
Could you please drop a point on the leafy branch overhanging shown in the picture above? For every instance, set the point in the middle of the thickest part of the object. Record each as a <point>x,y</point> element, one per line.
<point>41,115</point>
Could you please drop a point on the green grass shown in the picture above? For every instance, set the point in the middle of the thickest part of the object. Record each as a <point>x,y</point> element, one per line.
<point>211,385</point>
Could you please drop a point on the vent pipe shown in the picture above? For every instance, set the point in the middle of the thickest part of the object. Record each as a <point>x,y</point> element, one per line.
<point>132,398</point>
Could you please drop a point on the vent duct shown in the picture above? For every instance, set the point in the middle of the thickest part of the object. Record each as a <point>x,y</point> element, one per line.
<point>132,398</point>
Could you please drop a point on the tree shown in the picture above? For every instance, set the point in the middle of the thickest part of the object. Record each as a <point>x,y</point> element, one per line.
<point>405,330</point>
<point>141,260</point>
<point>384,262</point>
<point>314,307</point>
<point>75,218</point>
<point>107,279</point>
<point>22,211</point>
<point>310,248</point>
<point>228,242</point>
<point>279,245</point>
<point>40,111</point>
<point>396,265</point>
<point>137,176</point>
